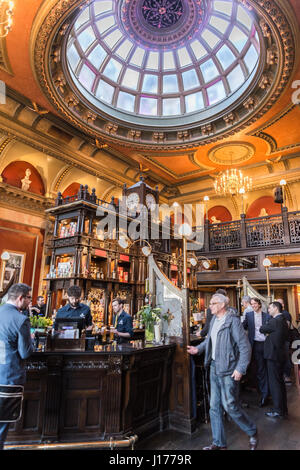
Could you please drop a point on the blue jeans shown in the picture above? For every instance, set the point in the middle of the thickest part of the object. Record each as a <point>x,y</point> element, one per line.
<point>3,433</point>
<point>224,395</point>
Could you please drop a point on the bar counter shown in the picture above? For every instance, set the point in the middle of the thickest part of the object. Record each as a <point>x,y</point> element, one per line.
<point>91,396</point>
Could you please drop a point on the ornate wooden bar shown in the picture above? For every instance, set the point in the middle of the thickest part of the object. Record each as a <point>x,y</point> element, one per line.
<point>89,396</point>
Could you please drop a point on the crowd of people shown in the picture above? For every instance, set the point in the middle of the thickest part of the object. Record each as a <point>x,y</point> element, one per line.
<point>234,345</point>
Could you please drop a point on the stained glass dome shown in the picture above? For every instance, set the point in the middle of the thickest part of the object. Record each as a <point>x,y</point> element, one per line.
<point>158,59</point>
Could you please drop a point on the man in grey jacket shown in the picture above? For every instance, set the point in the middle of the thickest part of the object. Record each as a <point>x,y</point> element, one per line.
<point>227,352</point>
<point>15,341</point>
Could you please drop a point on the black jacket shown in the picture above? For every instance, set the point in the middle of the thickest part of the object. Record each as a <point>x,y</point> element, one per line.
<point>277,334</point>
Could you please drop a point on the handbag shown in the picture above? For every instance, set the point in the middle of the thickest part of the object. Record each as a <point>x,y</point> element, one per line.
<point>11,399</point>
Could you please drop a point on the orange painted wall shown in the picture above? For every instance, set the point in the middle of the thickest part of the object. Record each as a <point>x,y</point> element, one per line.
<point>71,190</point>
<point>265,201</point>
<point>21,238</point>
<point>220,212</point>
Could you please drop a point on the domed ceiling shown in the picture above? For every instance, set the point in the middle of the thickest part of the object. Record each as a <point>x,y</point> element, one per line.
<point>173,73</point>
<point>162,58</point>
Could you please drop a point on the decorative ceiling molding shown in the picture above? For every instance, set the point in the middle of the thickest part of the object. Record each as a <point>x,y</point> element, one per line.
<point>231,153</point>
<point>277,30</point>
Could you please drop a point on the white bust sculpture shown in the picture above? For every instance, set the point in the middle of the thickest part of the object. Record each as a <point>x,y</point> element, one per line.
<point>263,212</point>
<point>26,181</point>
<point>214,220</point>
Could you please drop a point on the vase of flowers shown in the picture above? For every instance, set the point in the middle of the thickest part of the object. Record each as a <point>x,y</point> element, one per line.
<point>150,317</point>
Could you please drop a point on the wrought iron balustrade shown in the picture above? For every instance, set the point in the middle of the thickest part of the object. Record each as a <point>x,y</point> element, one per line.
<point>225,236</point>
<point>294,226</point>
<point>265,231</point>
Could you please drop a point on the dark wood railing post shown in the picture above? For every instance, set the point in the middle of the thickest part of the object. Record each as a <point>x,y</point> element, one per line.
<point>206,236</point>
<point>285,222</point>
<point>243,231</point>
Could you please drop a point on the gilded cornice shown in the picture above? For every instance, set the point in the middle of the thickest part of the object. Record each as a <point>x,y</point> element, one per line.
<point>277,29</point>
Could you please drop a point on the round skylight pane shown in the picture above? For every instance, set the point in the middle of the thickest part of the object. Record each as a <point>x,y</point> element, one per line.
<point>105,24</point>
<point>236,78</point>
<point>131,78</point>
<point>211,39</point>
<point>184,57</point>
<point>209,70</point>
<point>148,106</point>
<point>126,101</point>
<point>238,38</point>
<point>83,18</point>
<point>223,7</point>
<point>101,6</point>
<point>218,23</point>
<point>97,56</point>
<point>190,79</point>
<point>150,83</point>
<point>138,56</point>
<point>198,49</point>
<point>244,18</point>
<point>251,58</point>
<point>225,56</point>
<point>194,102</point>
<point>86,38</point>
<point>105,92</point>
<point>87,77</point>
<point>168,61</point>
<point>112,39</point>
<point>170,84</point>
<point>153,61</point>
<point>73,57</point>
<point>124,49</point>
<point>112,70</point>
<point>216,93</point>
<point>171,106</point>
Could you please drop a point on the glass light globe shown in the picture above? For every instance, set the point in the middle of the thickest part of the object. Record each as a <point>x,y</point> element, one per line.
<point>185,230</point>
<point>267,263</point>
<point>5,256</point>
<point>206,264</point>
<point>123,242</point>
<point>146,250</point>
<point>193,261</point>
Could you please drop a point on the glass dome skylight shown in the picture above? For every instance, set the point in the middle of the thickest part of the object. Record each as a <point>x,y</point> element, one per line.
<point>162,59</point>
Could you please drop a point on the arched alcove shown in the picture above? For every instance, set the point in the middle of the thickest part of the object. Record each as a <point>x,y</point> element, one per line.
<point>15,172</point>
<point>264,202</point>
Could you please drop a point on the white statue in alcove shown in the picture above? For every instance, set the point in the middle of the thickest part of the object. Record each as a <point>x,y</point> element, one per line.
<point>26,180</point>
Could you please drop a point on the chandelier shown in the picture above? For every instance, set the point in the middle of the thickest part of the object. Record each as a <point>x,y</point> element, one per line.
<point>7,11</point>
<point>231,182</point>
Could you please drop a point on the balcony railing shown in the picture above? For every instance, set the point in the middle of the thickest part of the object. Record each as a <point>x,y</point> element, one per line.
<point>274,230</point>
<point>270,231</point>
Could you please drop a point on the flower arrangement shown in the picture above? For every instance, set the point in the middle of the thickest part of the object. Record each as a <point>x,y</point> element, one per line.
<point>40,322</point>
<point>150,315</point>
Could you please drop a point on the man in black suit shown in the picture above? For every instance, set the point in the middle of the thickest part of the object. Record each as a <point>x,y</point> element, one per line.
<point>253,321</point>
<point>274,351</point>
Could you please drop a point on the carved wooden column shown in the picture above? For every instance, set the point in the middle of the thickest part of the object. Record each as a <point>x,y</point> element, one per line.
<point>108,265</point>
<point>285,222</point>
<point>112,395</point>
<point>55,227</point>
<point>206,235</point>
<point>243,232</point>
<point>52,411</point>
<point>132,269</point>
